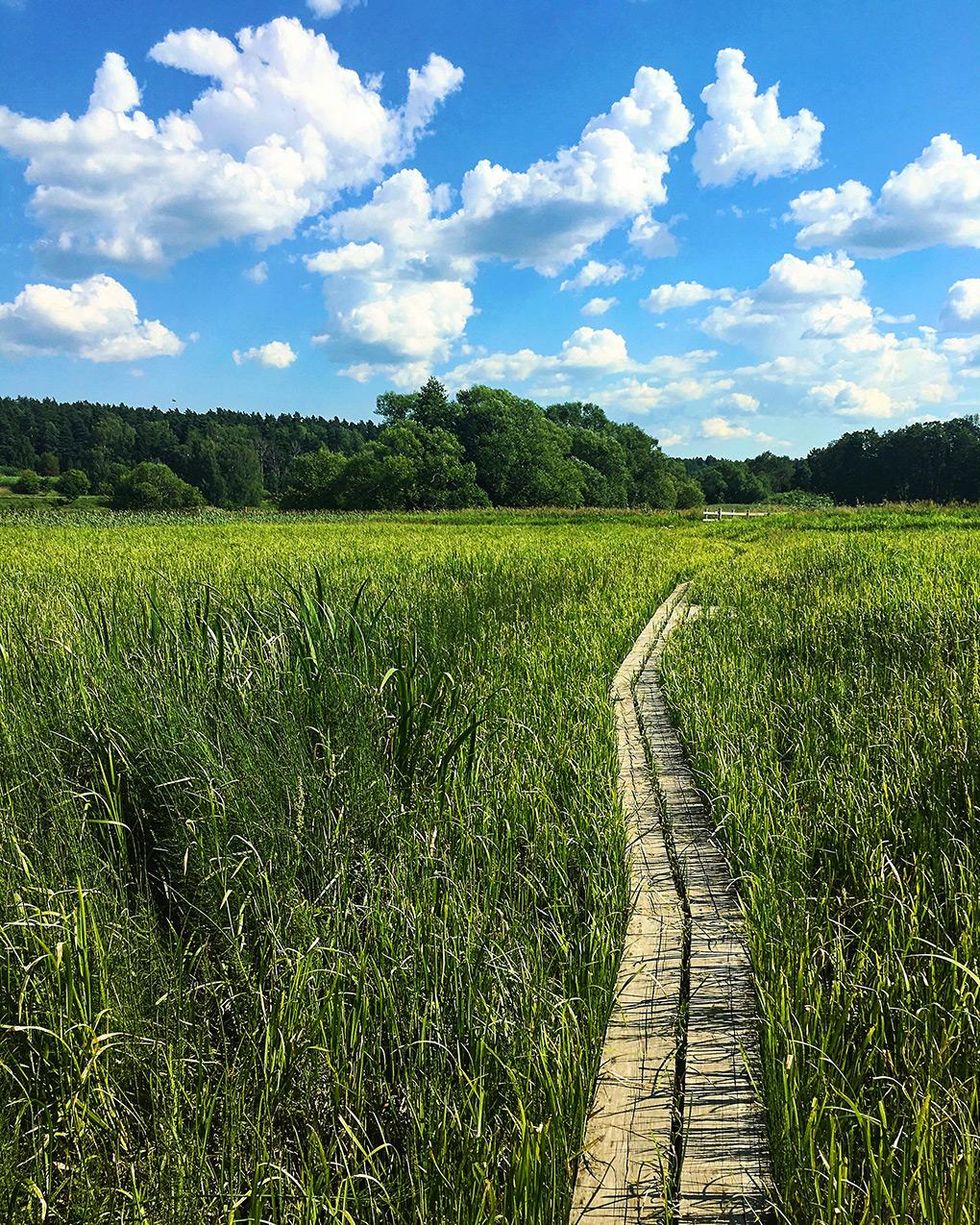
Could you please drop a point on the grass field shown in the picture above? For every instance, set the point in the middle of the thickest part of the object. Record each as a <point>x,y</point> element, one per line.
<point>312,878</point>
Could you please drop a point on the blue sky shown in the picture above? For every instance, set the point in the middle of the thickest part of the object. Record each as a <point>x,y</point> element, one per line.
<point>295,207</point>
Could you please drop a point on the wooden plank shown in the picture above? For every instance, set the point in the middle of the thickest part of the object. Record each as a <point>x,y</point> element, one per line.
<point>623,1172</point>
<point>675,1134</point>
<point>724,1173</point>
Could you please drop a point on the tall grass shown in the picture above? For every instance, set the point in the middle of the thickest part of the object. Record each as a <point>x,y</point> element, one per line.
<point>834,709</point>
<point>312,881</point>
<point>312,878</point>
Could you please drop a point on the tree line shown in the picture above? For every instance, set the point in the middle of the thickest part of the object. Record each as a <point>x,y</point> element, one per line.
<point>483,447</point>
<point>232,459</point>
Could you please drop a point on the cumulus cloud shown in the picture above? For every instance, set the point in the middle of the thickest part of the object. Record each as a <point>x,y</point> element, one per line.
<point>745,135</point>
<point>276,355</point>
<point>407,244</point>
<point>598,350</point>
<point>548,216</point>
<point>962,310</point>
<point>409,320</point>
<point>934,200</point>
<point>742,402</point>
<point>722,428</point>
<point>598,306</point>
<point>643,395</point>
<point>279,133</point>
<point>847,399</point>
<point>594,363</point>
<point>822,344</point>
<point>353,257</point>
<point>595,273</point>
<point>685,293</point>
<point>96,319</point>
<point>258,274</point>
<point>799,299</point>
<point>653,239</point>
<point>115,87</point>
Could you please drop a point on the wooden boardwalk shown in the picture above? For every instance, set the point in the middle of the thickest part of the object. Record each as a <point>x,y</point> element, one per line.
<point>675,1134</point>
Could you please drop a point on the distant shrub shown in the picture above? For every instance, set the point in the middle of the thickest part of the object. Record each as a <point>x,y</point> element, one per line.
<point>154,487</point>
<point>28,482</point>
<point>801,499</point>
<point>72,484</point>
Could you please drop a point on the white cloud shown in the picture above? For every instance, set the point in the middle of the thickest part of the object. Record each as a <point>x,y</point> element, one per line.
<point>598,350</point>
<point>847,399</point>
<point>743,402</point>
<point>822,344</point>
<point>258,274</point>
<point>354,257</point>
<point>644,395</point>
<point>408,320</point>
<point>329,8</point>
<point>595,364</point>
<point>799,299</point>
<point>545,217</point>
<point>722,428</point>
<point>548,216</point>
<point>933,200</point>
<point>962,310</point>
<point>96,319</point>
<point>745,134</point>
<point>115,87</point>
<point>276,355</point>
<point>598,306</point>
<point>653,239</point>
<point>685,293</point>
<point>595,273</point>
<point>406,237</point>
<point>283,130</point>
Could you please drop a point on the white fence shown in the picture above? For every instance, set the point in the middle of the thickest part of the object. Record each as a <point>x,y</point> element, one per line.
<point>712,512</point>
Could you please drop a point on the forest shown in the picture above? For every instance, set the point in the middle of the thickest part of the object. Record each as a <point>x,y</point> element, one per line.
<point>483,447</point>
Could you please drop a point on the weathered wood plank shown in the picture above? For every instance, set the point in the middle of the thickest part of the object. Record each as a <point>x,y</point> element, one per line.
<point>676,1133</point>
<point>724,1173</point>
<point>623,1170</point>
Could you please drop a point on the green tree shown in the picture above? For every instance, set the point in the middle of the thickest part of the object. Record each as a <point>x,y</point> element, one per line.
<point>73,484</point>
<point>777,472</point>
<point>396,406</point>
<point>689,493</point>
<point>151,486</point>
<point>314,481</point>
<point>47,464</point>
<point>28,482</point>
<point>650,481</point>
<point>606,472</point>
<point>116,435</point>
<point>223,463</point>
<point>522,458</point>
<point>409,467</point>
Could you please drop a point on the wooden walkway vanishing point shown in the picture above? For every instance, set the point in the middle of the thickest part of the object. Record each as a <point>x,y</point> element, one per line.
<point>675,1134</point>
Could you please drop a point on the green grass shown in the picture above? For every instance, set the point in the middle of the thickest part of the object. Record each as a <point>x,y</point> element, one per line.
<point>312,878</point>
<point>834,710</point>
<point>312,892</point>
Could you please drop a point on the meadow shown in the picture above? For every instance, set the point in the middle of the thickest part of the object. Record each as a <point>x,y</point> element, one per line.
<point>312,875</point>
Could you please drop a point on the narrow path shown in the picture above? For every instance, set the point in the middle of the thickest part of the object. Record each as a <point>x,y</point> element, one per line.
<point>675,1134</point>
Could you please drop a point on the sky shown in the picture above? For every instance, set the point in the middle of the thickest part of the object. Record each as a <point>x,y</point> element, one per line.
<point>743,227</point>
